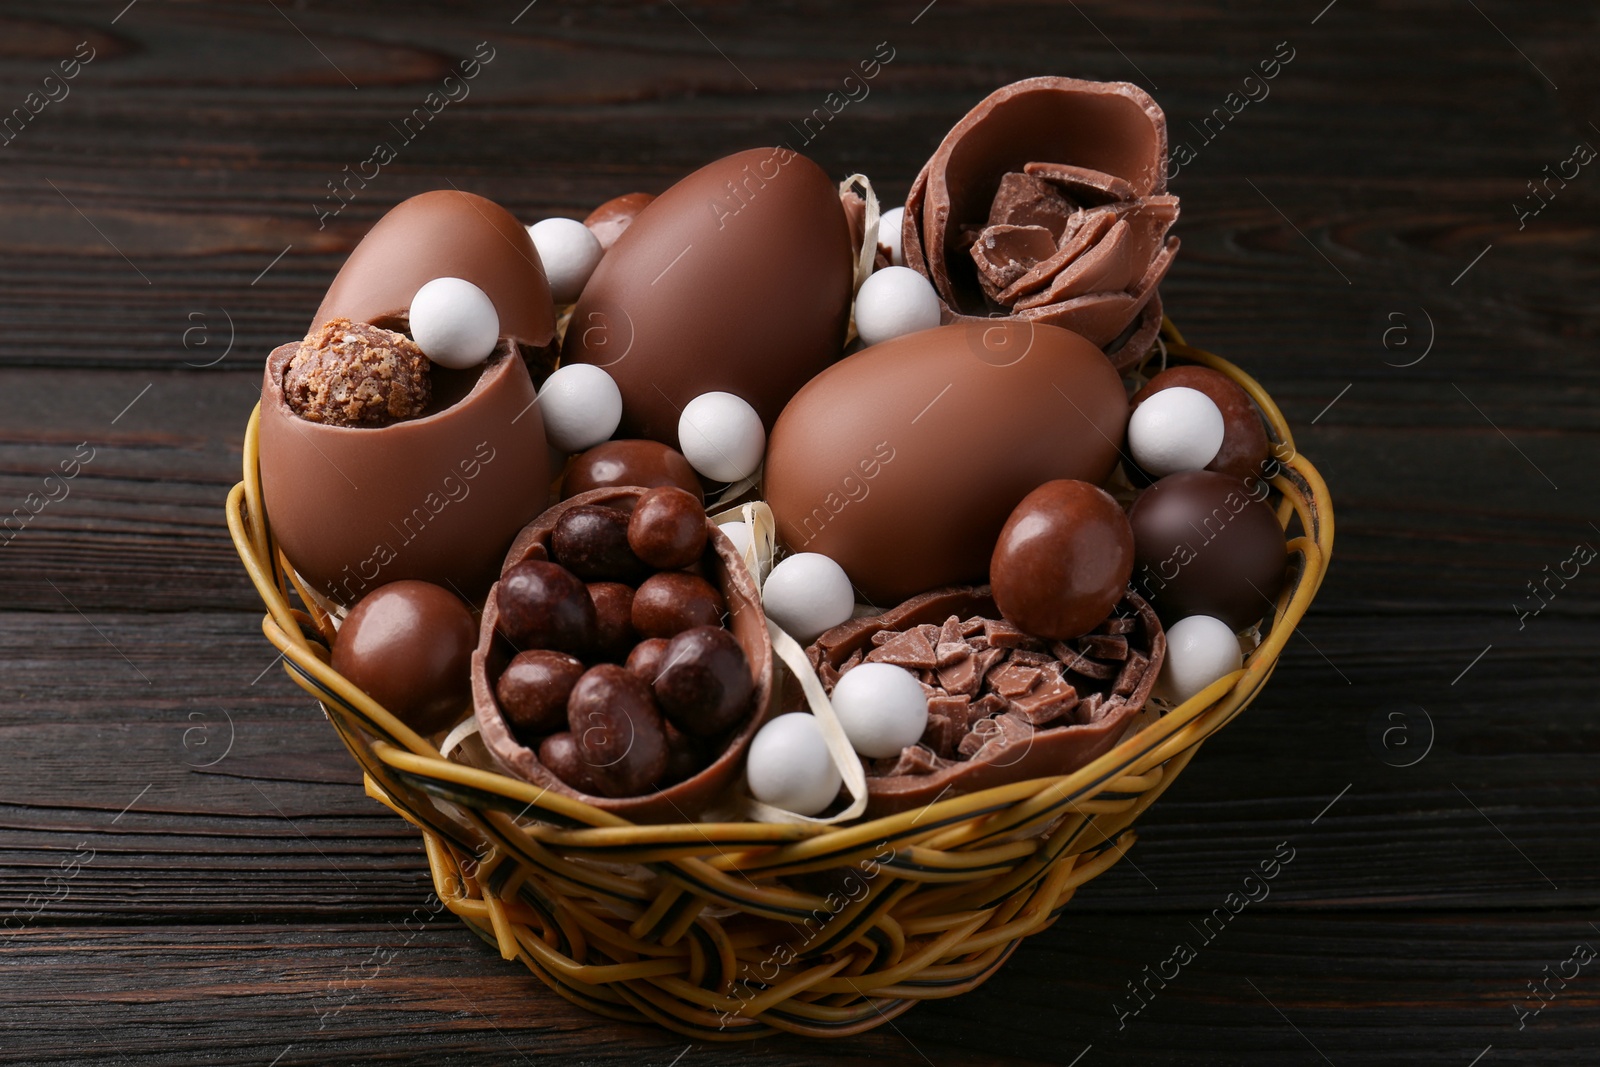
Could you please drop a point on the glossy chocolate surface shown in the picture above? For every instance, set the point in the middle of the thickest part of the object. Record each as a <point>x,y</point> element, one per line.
<point>1063,559</point>
<point>902,462</point>
<point>1244,448</point>
<point>445,233</point>
<point>738,278</point>
<point>608,221</point>
<point>630,461</point>
<point>408,645</point>
<point>1204,546</point>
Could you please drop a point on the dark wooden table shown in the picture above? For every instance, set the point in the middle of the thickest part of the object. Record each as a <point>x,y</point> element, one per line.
<point>189,870</point>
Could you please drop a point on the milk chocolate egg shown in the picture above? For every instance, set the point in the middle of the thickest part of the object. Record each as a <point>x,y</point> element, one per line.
<point>737,279</point>
<point>902,462</point>
<point>1203,545</point>
<point>437,498</point>
<point>614,463</point>
<point>445,233</point>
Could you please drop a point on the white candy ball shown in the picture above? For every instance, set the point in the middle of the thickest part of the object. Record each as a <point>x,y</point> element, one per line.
<point>789,765</point>
<point>570,252</point>
<point>1200,649</point>
<point>807,593</point>
<point>454,323</point>
<point>1176,429</point>
<point>721,436</point>
<point>881,707</point>
<point>895,301</point>
<point>889,226</point>
<point>581,406</point>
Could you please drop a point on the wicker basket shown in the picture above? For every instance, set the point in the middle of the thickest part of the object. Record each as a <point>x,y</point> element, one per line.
<point>734,930</point>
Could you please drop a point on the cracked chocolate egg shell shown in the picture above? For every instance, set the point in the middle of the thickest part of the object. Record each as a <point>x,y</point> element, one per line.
<point>445,233</point>
<point>674,800</point>
<point>902,461</point>
<point>737,279</point>
<point>437,498</point>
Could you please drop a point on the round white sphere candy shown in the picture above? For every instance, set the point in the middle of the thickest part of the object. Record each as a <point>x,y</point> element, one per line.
<point>807,593</point>
<point>1200,649</point>
<point>890,224</point>
<point>895,301</point>
<point>882,708</point>
<point>741,533</point>
<point>789,765</point>
<point>721,436</point>
<point>581,406</point>
<point>1176,429</point>
<point>454,323</point>
<point>570,252</point>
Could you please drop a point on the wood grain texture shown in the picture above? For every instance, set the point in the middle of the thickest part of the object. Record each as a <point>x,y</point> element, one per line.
<point>159,232</point>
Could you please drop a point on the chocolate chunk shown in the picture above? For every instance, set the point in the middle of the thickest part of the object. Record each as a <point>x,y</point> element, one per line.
<point>1104,646</point>
<point>908,649</point>
<point>984,660</point>
<point>1003,254</point>
<point>1002,634</point>
<point>1046,703</point>
<point>1080,183</point>
<point>950,632</point>
<point>958,674</point>
<point>1013,679</point>
<point>972,627</point>
<point>917,759</point>
<point>1120,624</point>
<point>1131,674</point>
<point>351,374</point>
<point>1025,200</point>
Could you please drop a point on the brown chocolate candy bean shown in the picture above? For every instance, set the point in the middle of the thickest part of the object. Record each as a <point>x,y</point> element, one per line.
<point>544,605</point>
<point>672,601</point>
<point>686,755</point>
<point>704,685</point>
<point>559,754</point>
<point>613,606</point>
<point>617,730</point>
<point>646,658</point>
<point>1245,449</point>
<point>533,691</point>
<point>591,541</point>
<point>667,528</point>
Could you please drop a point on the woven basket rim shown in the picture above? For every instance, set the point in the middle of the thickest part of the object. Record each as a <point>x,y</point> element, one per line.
<point>400,751</point>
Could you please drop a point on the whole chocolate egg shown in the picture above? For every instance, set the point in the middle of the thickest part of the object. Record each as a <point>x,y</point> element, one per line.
<point>445,233</point>
<point>438,497</point>
<point>902,462</point>
<point>1203,545</point>
<point>737,279</point>
<point>1244,438</point>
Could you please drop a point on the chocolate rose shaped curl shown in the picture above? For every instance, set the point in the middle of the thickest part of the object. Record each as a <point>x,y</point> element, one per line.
<point>1048,202</point>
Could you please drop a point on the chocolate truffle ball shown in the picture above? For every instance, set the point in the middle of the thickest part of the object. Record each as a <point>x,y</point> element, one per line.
<point>1244,437</point>
<point>686,755</point>
<point>408,645</point>
<point>1063,560</point>
<point>704,684</point>
<point>533,690</point>
<point>630,462</point>
<point>591,541</point>
<point>544,605</point>
<point>667,528</point>
<point>608,221</point>
<point>613,607</point>
<point>351,374</point>
<point>1204,546</point>
<point>672,601</point>
<point>617,730</point>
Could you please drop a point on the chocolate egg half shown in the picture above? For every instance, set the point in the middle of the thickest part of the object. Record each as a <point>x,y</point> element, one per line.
<point>437,498</point>
<point>902,462</point>
<point>737,279</point>
<point>445,233</point>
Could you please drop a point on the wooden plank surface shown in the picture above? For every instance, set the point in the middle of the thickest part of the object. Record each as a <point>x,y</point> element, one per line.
<point>1430,756</point>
